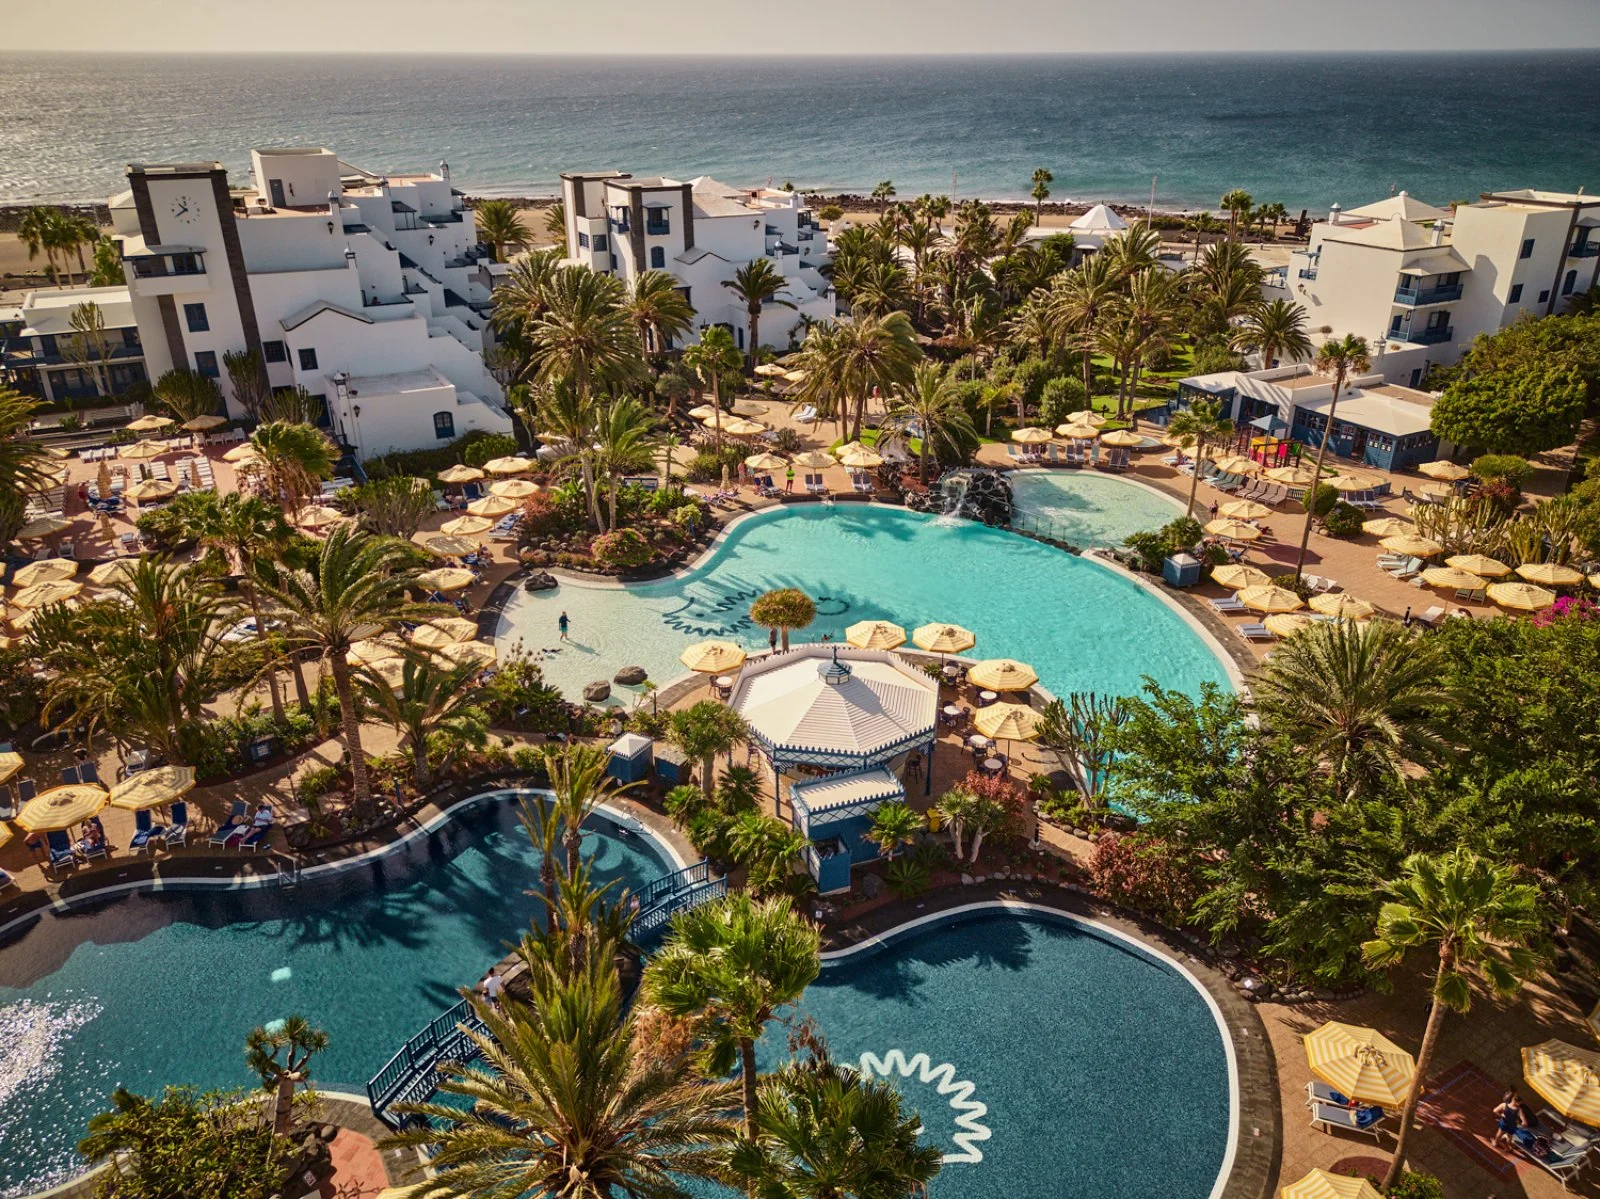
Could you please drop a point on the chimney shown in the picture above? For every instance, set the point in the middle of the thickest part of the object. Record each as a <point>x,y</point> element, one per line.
<point>444,170</point>
<point>1438,233</point>
<point>333,203</point>
<point>1333,214</point>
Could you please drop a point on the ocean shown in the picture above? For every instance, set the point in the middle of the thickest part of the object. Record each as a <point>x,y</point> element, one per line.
<point>1304,130</point>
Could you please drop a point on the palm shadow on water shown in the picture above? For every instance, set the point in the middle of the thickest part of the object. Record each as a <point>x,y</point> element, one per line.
<point>901,971</point>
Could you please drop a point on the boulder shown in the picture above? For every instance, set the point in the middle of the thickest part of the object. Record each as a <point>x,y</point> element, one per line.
<point>597,692</point>
<point>630,676</point>
<point>541,580</point>
<point>871,886</point>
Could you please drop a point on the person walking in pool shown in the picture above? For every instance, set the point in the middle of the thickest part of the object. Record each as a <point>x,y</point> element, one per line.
<point>562,623</point>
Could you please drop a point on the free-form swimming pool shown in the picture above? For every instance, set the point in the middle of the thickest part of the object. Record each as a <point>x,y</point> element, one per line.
<point>152,989</point>
<point>1082,625</point>
<point>1088,509</point>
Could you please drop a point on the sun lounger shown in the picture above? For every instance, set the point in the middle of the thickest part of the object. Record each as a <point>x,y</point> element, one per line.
<point>1404,571</point>
<point>6,881</point>
<point>1368,1121</point>
<point>235,827</point>
<point>1255,632</point>
<point>1318,1091</point>
<point>256,838</point>
<point>1432,616</point>
<point>861,483</point>
<point>178,831</point>
<point>61,852</point>
<point>26,790</point>
<point>1322,584</point>
<point>69,776</point>
<point>1560,1161</point>
<point>806,415</point>
<point>815,485</point>
<point>1470,595</point>
<point>1229,604</point>
<point>145,831</point>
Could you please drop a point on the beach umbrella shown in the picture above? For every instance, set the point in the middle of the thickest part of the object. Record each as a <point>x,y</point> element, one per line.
<point>390,671</point>
<point>1411,544</point>
<point>150,489</point>
<point>142,451</point>
<point>703,412</point>
<point>1354,481</point>
<point>46,570</point>
<point>1319,1184</point>
<point>1524,597</point>
<point>447,578</point>
<point>1550,574</point>
<point>447,630</point>
<point>23,618</point>
<point>492,506</point>
<point>1594,580</point>
<point>148,424</point>
<point>1287,624</point>
<point>467,526</point>
<point>1361,1063</point>
<point>1479,564</point>
<point>1122,439</point>
<point>450,547</point>
<point>794,376</point>
<point>152,788</point>
<point>318,516</point>
<point>1086,416</point>
<point>1243,510</point>
<point>1031,435</point>
<point>459,474</point>
<point>1233,530</point>
<point>944,638</point>
<point>765,461</point>
<point>770,370</point>
<point>10,764</point>
<point>1237,575</point>
<point>1002,674</point>
<point>1566,1077</point>
<point>61,807</point>
<point>40,594</point>
<point>1237,464</point>
<point>813,460</point>
<point>739,427</point>
<point>875,634</point>
<point>1007,722</point>
<point>858,457</point>
<point>1438,491</point>
<point>1448,471</point>
<point>509,466</point>
<point>370,650</point>
<point>513,489</point>
<point>712,657</point>
<point>1344,606</point>
<point>240,454</point>
<point>479,653</point>
<point>1388,526</point>
<point>1594,1014</point>
<point>5,834</point>
<point>1265,597</point>
<point>44,526</point>
<point>47,482</point>
<point>1450,576</point>
<point>753,411</point>
<point>202,423</point>
<point>56,452</point>
<point>1289,476</point>
<point>1076,432</point>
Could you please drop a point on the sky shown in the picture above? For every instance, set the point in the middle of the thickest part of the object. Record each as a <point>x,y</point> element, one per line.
<point>865,26</point>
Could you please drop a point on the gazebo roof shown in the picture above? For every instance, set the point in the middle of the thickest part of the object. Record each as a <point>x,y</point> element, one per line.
<point>838,796</point>
<point>1099,219</point>
<point>838,703</point>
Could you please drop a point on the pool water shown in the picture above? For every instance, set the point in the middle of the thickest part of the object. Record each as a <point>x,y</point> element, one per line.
<point>1080,624</point>
<point>163,987</point>
<point>1087,509</point>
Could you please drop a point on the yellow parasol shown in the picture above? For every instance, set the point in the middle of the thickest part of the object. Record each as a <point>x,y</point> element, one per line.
<point>391,671</point>
<point>739,427</point>
<point>240,453</point>
<point>1479,564</point>
<point>1007,722</point>
<point>1002,674</point>
<point>370,650</point>
<point>766,461</point>
<point>513,489</point>
<point>1388,526</point>
<point>10,764</point>
<point>1287,624</point>
<point>944,638</point>
<point>813,460</point>
<point>492,506</point>
<point>318,516</point>
<point>1550,574</point>
<point>712,657</point>
<point>450,547</point>
<point>1124,439</point>
<point>1361,1063</point>
<point>150,489</point>
<point>1237,575</point>
<point>1075,432</point>
<point>1319,1184</point>
<point>45,526</point>
<point>1438,491</point>
<point>153,788</point>
<point>1593,1021</point>
<point>1086,416</point>
<point>46,570</point>
<point>1450,472</point>
<point>1237,464</point>
<point>508,466</point>
<point>1566,1077</point>
<point>1410,543</point>
<point>1450,576</point>
<point>5,833</point>
<point>858,456</point>
<point>459,474</point>
<point>61,807</point>
<point>1354,480</point>
<point>1243,510</point>
<point>1289,476</point>
<point>201,423</point>
<point>794,376</point>
<point>1031,435</point>
<point>40,594</point>
<point>467,526</point>
<point>479,653</point>
<point>447,630</point>
<point>1344,606</point>
<point>142,451</point>
<point>1268,598</point>
<point>1233,530</point>
<point>875,634</point>
<point>56,452</point>
<point>703,412</point>
<point>148,424</point>
<point>447,578</point>
<point>1524,597</point>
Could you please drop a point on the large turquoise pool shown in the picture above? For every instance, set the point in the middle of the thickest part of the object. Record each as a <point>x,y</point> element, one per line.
<point>1088,509</point>
<point>1082,625</point>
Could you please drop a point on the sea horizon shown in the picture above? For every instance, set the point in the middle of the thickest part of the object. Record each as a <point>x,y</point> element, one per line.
<point>1306,129</point>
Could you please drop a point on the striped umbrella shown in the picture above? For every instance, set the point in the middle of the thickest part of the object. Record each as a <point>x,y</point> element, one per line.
<point>1361,1063</point>
<point>712,657</point>
<point>447,630</point>
<point>46,570</point>
<point>513,489</point>
<point>1268,598</point>
<point>1550,574</point>
<point>1566,1077</point>
<point>875,634</point>
<point>61,807</point>
<point>944,638</point>
<point>1524,597</point>
<point>1002,674</point>
<point>153,788</point>
<point>1319,1184</point>
<point>1237,575</point>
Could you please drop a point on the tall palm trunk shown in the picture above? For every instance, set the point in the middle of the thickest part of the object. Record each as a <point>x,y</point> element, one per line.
<point>590,490</point>
<point>261,636</point>
<point>1316,475</point>
<point>350,722</point>
<point>1430,1039</point>
<point>1088,376</point>
<point>283,1103</point>
<point>572,840</point>
<point>747,1082</point>
<point>755,333</point>
<point>1194,481</point>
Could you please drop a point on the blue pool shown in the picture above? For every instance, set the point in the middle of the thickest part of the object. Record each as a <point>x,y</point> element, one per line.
<point>1082,625</point>
<point>1088,509</point>
<point>154,989</point>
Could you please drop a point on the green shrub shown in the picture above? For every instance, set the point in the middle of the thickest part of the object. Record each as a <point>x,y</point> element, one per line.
<point>161,530</point>
<point>427,463</point>
<point>479,447</point>
<point>1325,497</point>
<point>1413,1185</point>
<point>1214,357</point>
<point>907,877</point>
<point>1152,548</point>
<point>1343,520</point>
<point>787,441</point>
<point>1290,583</point>
<point>217,748</point>
<point>830,213</point>
<point>1030,376</point>
<point>706,466</point>
<point>1061,396</point>
<point>622,547</point>
<point>1503,468</point>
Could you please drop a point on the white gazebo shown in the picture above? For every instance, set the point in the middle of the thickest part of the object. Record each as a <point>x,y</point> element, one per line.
<point>1094,228</point>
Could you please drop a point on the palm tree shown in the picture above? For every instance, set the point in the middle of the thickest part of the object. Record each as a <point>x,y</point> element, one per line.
<point>1364,700</point>
<point>768,849</point>
<point>88,346</point>
<point>660,310</point>
<point>1042,179</point>
<point>353,588</point>
<point>871,353</point>
<point>956,807</point>
<point>431,699</point>
<point>519,298</point>
<point>704,731</point>
<point>555,223</point>
<point>187,394</point>
<point>884,190</point>
<point>499,226</point>
<point>823,1131</point>
<point>1153,308</point>
<point>786,609</point>
<point>576,1099</point>
<point>733,965</point>
<point>881,286</point>
<point>585,334</point>
<point>932,402</point>
<point>570,415</point>
<point>299,1042</point>
<point>291,406</point>
<point>1078,302</point>
<point>714,358</point>
<point>248,375</point>
<point>1133,251</point>
<point>1341,359</point>
<point>24,464</point>
<point>38,231</point>
<point>1477,919</point>
<point>625,443</point>
<point>1236,203</point>
<point>76,232</point>
<point>579,782</point>
<point>294,458</point>
<point>1200,425</point>
<point>758,283</point>
<point>894,826</point>
<point>1277,330</point>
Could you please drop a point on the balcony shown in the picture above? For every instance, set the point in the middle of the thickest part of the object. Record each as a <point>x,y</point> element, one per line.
<point>657,228</point>
<point>1588,249</point>
<point>1416,297</point>
<point>1308,272</point>
<point>1431,336</point>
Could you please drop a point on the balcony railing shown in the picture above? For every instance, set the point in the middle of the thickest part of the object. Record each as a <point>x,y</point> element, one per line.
<point>1414,297</point>
<point>1589,249</point>
<point>657,228</point>
<point>1308,272</point>
<point>1430,336</point>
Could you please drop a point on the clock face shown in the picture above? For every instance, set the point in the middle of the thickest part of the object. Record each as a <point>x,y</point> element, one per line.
<point>185,209</point>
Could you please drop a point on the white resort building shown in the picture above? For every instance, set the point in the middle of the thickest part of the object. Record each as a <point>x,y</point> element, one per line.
<point>45,355</point>
<point>361,288</point>
<point>702,231</point>
<point>1419,282</point>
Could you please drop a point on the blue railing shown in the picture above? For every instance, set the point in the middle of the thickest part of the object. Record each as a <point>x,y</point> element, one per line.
<point>1431,336</point>
<point>1309,272</point>
<point>1413,296</point>
<point>1588,249</point>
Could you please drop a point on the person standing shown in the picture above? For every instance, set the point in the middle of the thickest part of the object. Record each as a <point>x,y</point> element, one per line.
<point>772,640</point>
<point>788,478</point>
<point>562,624</point>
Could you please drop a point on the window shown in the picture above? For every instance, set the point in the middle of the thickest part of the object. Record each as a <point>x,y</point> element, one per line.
<point>195,314</point>
<point>583,240</point>
<point>1544,295</point>
<point>656,222</point>
<point>308,359</point>
<point>658,258</point>
<point>48,346</point>
<point>186,264</point>
<point>1394,324</point>
<point>205,361</point>
<point>130,338</point>
<point>602,243</point>
<point>444,426</point>
<point>1450,280</point>
<point>1569,283</point>
<point>1527,249</point>
<point>274,351</point>
<point>1516,293</point>
<point>1439,320</point>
